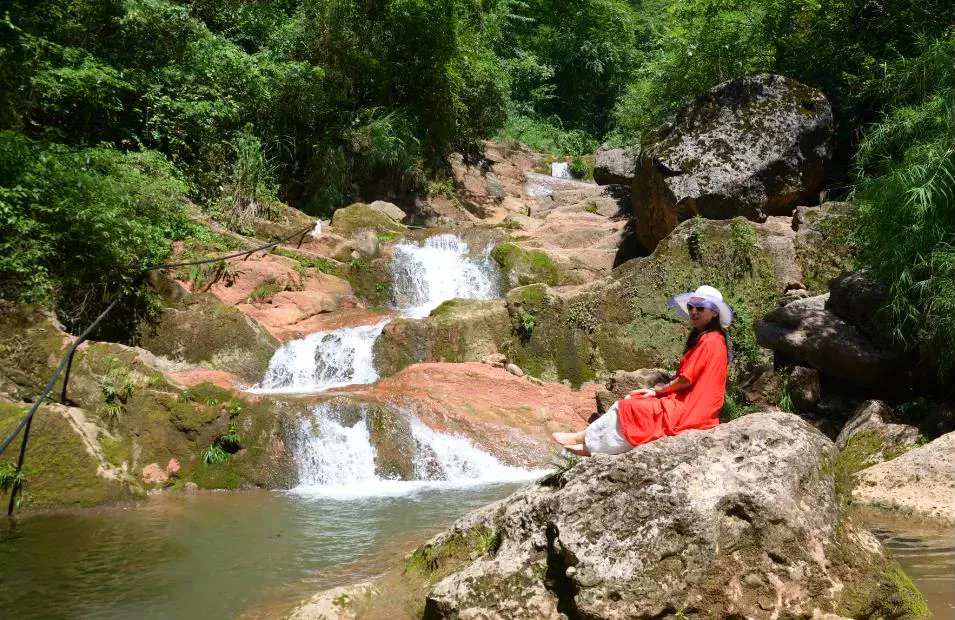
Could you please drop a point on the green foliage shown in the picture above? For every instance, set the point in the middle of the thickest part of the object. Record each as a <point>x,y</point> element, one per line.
<point>78,226</point>
<point>784,398</point>
<point>734,404</point>
<point>906,196</point>
<point>547,135</point>
<point>10,477</point>
<point>253,186</point>
<point>265,291</point>
<point>487,541</point>
<point>214,454</point>
<point>525,325</point>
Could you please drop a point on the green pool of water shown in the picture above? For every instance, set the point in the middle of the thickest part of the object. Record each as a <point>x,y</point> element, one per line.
<point>211,556</point>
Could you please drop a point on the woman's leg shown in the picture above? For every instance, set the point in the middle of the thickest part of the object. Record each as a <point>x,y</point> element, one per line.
<point>570,439</point>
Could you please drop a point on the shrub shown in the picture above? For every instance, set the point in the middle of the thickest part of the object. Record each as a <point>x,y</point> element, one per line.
<point>906,196</point>
<point>79,226</point>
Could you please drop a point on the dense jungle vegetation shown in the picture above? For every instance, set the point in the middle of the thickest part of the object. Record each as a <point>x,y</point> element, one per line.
<point>116,116</point>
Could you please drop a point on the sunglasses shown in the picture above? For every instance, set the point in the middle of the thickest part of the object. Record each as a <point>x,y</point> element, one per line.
<point>691,308</point>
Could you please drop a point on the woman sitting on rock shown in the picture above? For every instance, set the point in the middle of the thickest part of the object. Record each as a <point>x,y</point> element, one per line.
<point>692,400</point>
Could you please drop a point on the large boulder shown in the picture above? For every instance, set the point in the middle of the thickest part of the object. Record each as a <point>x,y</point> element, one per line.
<point>738,521</point>
<point>754,146</point>
<point>614,165</point>
<point>807,332</point>
<point>920,482</point>
<point>200,329</point>
<point>621,322</point>
<point>501,413</point>
<point>360,216</point>
<point>459,330</point>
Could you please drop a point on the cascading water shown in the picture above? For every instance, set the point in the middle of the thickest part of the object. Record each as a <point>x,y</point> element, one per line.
<point>423,277</point>
<point>322,361</point>
<point>338,460</point>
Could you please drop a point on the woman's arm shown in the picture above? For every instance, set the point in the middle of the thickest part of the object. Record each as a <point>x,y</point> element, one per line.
<point>679,383</point>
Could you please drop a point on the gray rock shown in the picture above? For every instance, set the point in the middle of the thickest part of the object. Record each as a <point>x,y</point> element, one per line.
<point>804,388</point>
<point>190,488</point>
<point>391,210</point>
<point>871,416</point>
<point>754,146</point>
<point>614,165</point>
<point>761,386</point>
<point>920,482</point>
<point>854,297</point>
<point>365,243</point>
<point>732,521</point>
<point>622,382</point>
<point>806,332</point>
<point>515,370</point>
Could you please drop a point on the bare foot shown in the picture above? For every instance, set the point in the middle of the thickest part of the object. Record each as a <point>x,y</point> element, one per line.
<point>578,448</point>
<point>566,439</point>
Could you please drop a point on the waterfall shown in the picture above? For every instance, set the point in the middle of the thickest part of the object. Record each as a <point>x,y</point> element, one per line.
<point>322,361</point>
<point>338,460</point>
<point>331,454</point>
<point>425,276</point>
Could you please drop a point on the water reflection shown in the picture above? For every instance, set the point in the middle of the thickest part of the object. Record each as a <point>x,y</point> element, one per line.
<point>208,556</point>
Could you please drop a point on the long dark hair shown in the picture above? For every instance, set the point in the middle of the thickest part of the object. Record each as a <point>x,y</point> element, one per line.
<point>713,326</point>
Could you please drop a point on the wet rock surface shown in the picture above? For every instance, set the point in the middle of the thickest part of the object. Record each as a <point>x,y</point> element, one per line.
<point>739,520</point>
<point>754,146</point>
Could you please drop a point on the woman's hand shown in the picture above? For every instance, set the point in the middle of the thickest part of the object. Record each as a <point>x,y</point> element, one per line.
<point>643,393</point>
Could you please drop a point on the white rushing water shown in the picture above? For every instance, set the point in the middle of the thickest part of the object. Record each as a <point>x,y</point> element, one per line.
<point>427,275</point>
<point>322,361</point>
<point>338,460</point>
<point>423,277</point>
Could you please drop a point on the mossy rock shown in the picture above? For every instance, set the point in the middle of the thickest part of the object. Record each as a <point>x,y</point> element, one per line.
<point>520,267</point>
<point>370,280</point>
<point>546,343</point>
<point>31,345</point>
<point>360,216</point>
<point>279,221</point>
<point>459,330</point>
<point>622,323</point>
<point>61,469</point>
<point>200,329</point>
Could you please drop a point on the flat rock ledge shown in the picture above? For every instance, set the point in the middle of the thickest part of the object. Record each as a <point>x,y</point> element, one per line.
<point>739,521</point>
<point>921,482</point>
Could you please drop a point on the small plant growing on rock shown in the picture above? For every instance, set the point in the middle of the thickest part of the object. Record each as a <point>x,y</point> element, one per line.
<point>9,476</point>
<point>265,291</point>
<point>785,400</point>
<point>118,386</point>
<point>488,542</point>
<point>214,454</point>
<point>525,325</point>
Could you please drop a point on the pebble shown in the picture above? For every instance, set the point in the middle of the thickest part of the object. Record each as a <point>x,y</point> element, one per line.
<point>515,370</point>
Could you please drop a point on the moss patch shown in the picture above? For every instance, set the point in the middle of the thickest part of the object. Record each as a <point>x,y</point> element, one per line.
<point>459,330</point>
<point>520,267</point>
<point>360,216</point>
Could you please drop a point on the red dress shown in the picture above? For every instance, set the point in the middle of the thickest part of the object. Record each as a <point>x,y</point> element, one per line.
<point>698,406</point>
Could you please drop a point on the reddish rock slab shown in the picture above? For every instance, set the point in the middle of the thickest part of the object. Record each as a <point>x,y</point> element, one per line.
<point>505,415</point>
<point>195,376</point>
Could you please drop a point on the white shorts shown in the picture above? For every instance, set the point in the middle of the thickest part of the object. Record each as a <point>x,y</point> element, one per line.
<point>605,436</point>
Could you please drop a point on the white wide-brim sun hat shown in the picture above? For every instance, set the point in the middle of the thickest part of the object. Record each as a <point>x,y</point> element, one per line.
<point>701,296</point>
